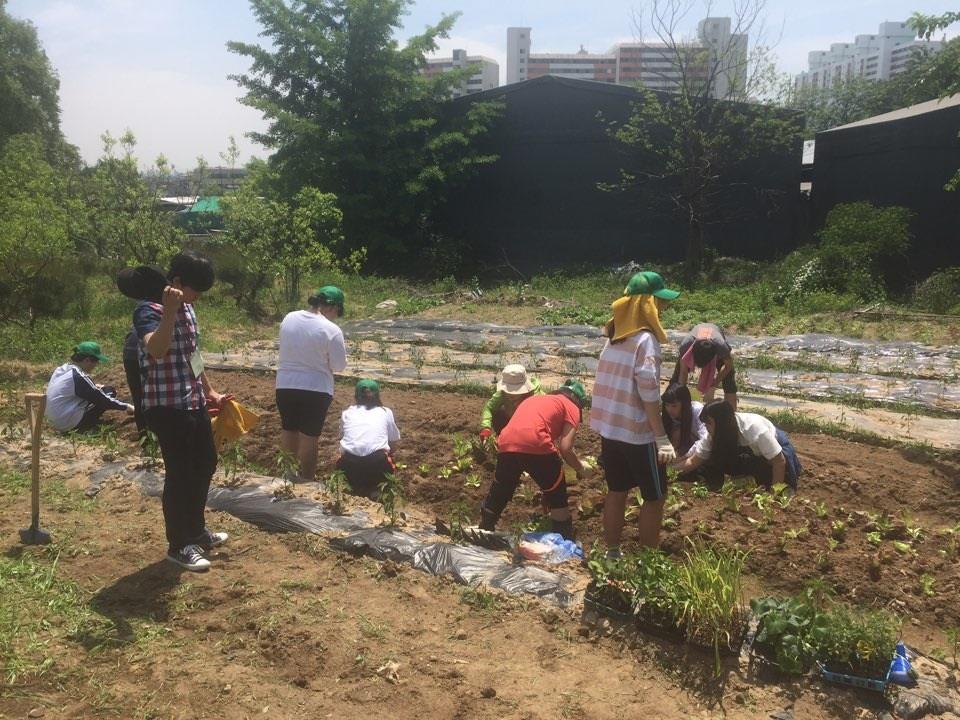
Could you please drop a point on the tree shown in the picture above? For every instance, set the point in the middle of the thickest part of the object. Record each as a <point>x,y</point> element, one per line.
<point>693,145</point>
<point>28,83</point>
<point>125,223</point>
<point>270,239</point>
<point>39,271</point>
<point>351,114</point>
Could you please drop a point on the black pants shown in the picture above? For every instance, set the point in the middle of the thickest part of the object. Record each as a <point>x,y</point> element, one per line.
<point>91,418</point>
<point>546,471</point>
<point>131,367</point>
<point>189,456</point>
<point>365,472</point>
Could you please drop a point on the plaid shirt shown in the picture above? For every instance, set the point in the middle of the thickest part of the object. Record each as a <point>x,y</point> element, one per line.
<point>628,374</point>
<point>169,381</point>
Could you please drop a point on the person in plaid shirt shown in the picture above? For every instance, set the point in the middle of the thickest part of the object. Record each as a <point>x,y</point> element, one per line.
<point>176,394</point>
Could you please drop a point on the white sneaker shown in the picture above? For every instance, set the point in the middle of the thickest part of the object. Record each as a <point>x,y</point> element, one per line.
<point>190,557</point>
<point>213,539</point>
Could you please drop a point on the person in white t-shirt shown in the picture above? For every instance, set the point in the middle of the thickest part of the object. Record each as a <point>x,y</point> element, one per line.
<point>74,401</point>
<point>311,351</point>
<point>740,443</point>
<point>369,435</point>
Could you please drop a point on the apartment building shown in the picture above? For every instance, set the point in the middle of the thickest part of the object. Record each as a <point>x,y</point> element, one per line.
<point>486,77</point>
<point>872,57</point>
<point>656,66</point>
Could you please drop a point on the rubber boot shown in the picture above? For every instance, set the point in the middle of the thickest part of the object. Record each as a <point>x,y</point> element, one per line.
<point>488,519</point>
<point>564,527</point>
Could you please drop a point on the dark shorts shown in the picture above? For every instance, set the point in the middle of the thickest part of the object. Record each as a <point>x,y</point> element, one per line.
<point>627,466</point>
<point>303,411</point>
<point>366,472</point>
<point>546,471</point>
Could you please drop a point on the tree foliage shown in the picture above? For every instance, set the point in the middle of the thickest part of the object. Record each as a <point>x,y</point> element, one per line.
<point>351,114</point>
<point>692,147</point>
<point>28,83</point>
<point>125,224</point>
<point>39,271</point>
<point>271,239</point>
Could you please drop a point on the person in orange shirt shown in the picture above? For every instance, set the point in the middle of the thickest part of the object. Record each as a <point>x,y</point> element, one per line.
<point>537,440</point>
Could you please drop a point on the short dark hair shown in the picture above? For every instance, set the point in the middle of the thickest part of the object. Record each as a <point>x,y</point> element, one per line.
<point>77,357</point>
<point>194,271</point>
<point>703,352</point>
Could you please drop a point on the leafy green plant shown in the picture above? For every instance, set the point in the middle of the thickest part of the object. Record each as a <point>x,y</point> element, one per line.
<point>473,480</point>
<point>232,461</point>
<point>479,599</point>
<point>286,464</point>
<point>711,610</point>
<point>336,488</point>
<point>417,359</point>
<point>790,630</point>
<point>700,491</point>
<point>820,510</point>
<point>423,469</point>
<point>458,519</point>
<point>391,496</point>
<point>928,585</point>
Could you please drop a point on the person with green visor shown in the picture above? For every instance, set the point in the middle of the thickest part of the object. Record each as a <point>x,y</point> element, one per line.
<point>634,447</point>
<point>311,351</point>
<point>537,440</point>
<point>74,401</point>
<point>368,437</point>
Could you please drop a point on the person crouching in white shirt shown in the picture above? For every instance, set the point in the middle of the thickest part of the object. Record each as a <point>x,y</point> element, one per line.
<point>369,435</point>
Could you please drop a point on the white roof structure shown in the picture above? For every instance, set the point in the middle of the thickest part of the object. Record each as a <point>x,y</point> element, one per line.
<point>913,110</point>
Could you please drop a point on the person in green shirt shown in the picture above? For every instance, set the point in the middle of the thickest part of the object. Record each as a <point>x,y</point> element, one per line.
<point>514,387</point>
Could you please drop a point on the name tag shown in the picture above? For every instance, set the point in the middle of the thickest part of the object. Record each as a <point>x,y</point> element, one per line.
<point>196,363</point>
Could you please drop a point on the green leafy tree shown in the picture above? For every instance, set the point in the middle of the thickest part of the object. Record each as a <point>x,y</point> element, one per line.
<point>692,147</point>
<point>28,83</point>
<point>38,268</point>
<point>270,239</point>
<point>125,224</point>
<point>350,113</point>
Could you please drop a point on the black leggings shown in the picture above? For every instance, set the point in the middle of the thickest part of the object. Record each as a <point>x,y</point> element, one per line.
<point>546,471</point>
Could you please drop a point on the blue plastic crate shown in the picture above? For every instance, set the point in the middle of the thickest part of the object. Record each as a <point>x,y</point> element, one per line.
<point>875,684</point>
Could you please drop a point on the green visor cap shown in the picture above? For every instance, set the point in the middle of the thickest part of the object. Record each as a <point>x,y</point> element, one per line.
<point>649,283</point>
<point>331,295</point>
<point>89,348</point>
<point>576,387</point>
<point>364,385</point>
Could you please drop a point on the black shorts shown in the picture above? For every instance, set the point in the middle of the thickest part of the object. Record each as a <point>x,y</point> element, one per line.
<point>303,411</point>
<point>627,466</point>
<point>366,472</point>
<point>546,471</point>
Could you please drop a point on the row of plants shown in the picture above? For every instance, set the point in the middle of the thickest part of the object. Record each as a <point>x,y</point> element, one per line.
<point>699,599</point>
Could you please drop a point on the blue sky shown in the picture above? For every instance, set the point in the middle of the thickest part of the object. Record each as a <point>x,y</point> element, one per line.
<point>160,68</point>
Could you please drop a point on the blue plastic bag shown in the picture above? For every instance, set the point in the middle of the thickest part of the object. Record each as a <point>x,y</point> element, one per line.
<point>562,549</point>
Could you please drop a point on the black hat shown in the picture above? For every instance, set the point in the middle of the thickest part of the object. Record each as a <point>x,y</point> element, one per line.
<point>142,283</point>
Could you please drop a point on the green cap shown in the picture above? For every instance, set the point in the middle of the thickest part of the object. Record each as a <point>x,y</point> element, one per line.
<point>330,295</point>
<point>649,283</point>
<point>576,387</point>
<point>365,385</point>
<point>89,348</point>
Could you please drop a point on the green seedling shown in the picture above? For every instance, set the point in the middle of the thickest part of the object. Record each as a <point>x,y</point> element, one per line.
<point>445,472</point>
<point>953,638</point>
<point>904,548</point>
<point>700,491</point>
<point>423,469</point>
<point>762,500</point>
<point>473,480</point>
<point>458,519</point>
<point>927,585</point>
<point>417,359</point>
<point>391,496</point>
<point>286,464</point>
<point>759,525</point>
<point>233,461</point>
<point>838,530</point>
<point>874,538</point>
<point>461,447</point>
<point>479,599</point>
<point>150,448</point>
<point>462,464</point>
<point>782,496</point>
<point>832,544</point>
<point>336,487</point>
<point>820,510</point>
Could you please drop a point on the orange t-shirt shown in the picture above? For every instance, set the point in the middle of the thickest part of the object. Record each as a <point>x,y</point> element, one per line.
<point>537,425</point>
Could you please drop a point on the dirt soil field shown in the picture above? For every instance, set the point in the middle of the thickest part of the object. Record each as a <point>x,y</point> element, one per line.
<point>284,627</point>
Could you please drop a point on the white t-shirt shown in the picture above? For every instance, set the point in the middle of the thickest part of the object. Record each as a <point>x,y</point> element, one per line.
<point>698,431</point>
<point>753,431</point>
<point>365,430</point>
<point>311,351</point>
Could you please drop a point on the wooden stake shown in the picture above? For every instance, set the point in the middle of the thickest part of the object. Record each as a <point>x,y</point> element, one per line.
<point>36,403</point>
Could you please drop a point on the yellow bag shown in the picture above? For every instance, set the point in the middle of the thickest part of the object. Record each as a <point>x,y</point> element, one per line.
<point>233,421</point>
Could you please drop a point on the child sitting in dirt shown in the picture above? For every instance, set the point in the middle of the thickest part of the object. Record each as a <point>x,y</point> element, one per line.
<point>743,444</point>
<point>514,387</point>
<point>705,347</point>
<point>369,435</point>
<point>538,438</point>
<point>74,401</point>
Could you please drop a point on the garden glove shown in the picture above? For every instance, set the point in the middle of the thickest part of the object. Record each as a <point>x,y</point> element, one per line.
<point>485,433</point>
<point>665,451</point>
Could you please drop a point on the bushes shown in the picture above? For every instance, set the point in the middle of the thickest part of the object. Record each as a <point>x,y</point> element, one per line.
<point>940,293</point>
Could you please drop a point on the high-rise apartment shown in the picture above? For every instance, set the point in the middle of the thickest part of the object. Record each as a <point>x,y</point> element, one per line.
<point>656,66</point>
<point>872,57</point>
<point>486,77</point>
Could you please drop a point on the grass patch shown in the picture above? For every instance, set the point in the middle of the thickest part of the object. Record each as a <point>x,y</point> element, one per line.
<point>479,599</point>
<point>39,610</point>
<point>14,482</point>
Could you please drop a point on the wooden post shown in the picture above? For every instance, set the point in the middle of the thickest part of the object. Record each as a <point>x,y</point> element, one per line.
<point>36,403</point>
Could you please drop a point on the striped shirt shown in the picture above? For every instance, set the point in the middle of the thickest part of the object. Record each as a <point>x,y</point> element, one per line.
<point>169,381</point>
<point>628,375</point>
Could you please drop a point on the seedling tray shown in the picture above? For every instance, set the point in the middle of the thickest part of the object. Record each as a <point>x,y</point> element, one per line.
<point>736,640</point>
<point>875,684</point>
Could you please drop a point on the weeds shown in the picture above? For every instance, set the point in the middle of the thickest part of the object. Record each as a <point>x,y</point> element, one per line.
<point>479,599</point>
